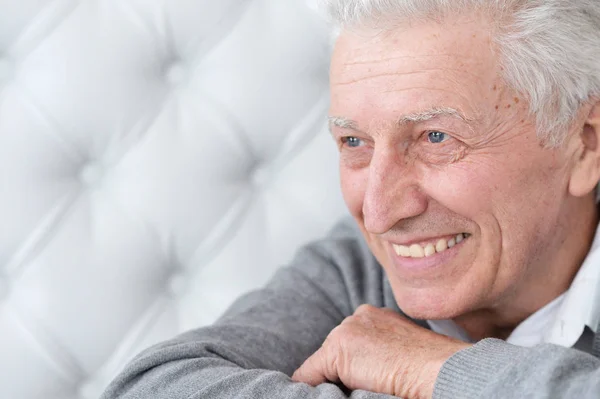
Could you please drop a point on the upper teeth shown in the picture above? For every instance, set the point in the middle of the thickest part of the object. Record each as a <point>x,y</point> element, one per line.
<point>418,251</point>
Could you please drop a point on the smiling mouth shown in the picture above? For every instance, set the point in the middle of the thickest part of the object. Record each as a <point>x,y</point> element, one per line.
<point>430,249</point>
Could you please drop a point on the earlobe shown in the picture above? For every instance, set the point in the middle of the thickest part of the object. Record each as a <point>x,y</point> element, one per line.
<point>586,169</point>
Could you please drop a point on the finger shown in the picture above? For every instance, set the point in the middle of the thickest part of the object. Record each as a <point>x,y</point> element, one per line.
<point>316,370</point>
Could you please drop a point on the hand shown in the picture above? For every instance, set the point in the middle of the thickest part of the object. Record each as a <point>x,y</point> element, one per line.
<point>380,351</point>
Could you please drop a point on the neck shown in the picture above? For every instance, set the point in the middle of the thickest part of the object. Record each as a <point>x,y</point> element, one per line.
<point>546,283</point>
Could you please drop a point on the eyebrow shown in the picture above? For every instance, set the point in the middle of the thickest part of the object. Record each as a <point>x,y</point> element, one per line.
<point>416,117</point>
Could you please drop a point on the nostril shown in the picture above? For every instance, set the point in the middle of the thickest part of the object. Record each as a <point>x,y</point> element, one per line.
<point>389,205</point>
<point>376,219</point>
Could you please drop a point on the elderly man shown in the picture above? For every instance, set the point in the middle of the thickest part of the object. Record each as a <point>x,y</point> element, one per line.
<point>469,139</point>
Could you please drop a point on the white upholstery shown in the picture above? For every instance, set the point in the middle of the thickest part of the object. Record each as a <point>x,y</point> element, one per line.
<point>157,159</point>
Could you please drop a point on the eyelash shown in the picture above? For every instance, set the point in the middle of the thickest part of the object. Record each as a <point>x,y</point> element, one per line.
<point>428,133</point>
<point>347,139</point>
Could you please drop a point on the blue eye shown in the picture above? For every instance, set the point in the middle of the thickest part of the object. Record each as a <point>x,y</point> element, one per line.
<point>436,137</point>
<point>352,142</point>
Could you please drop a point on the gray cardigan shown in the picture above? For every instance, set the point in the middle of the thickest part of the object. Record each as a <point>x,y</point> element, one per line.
<point>252,351</point>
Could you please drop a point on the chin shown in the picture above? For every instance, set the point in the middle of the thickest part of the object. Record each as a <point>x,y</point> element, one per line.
<point>429,303</point>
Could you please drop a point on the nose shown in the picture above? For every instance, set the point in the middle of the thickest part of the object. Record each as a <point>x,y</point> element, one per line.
<point>393,192</point>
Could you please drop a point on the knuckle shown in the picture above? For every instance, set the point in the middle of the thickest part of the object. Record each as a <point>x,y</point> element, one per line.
<point>335,340</point>
<point>337,333</point>
<point>364,309</point>
<point>366,314</point>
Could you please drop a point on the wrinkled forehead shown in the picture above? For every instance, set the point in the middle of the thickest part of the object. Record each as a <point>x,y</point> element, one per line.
<point>453,62</point>
<point>466,42</point>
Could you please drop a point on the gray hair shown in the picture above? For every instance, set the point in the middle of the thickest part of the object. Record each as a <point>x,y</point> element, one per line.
<point>549,49</point>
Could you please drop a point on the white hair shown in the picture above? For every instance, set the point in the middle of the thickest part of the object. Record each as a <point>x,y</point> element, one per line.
<point>549,49</point>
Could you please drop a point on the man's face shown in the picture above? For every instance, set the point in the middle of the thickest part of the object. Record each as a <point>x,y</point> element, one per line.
<point>434,147</point>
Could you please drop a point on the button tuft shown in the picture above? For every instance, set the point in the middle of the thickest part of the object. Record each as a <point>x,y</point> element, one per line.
<point>91,174</point>
<point>178,284</point>
<point>176,74</point>
<point>260,176</point>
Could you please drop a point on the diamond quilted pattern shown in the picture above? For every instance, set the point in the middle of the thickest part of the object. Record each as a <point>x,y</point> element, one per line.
<point>176,167</point>
<point>95,267</point>
<point>36,171</point>
<point>158,158</point>
<point>15,19</point>
<point>244,71</point>
<point>29,368</point>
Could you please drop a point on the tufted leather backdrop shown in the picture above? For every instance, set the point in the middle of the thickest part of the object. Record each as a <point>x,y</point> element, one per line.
<point>157,159</point>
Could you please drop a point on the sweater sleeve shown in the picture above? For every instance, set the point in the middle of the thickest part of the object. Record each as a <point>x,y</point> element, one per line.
<point>495,369</point>
<point>252,351</point>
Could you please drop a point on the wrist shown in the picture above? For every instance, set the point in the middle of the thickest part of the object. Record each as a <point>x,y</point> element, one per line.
<point>433,367</point>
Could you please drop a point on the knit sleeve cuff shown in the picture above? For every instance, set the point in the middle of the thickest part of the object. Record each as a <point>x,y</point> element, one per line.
<point>469,372</point>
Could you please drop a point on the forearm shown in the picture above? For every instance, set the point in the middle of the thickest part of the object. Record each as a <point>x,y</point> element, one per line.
<point>191,370</point>
<point>495,369</point>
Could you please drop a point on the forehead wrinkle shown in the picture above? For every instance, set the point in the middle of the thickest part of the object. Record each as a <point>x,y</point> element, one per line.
<point>397,71</point>
<point>403,57</point>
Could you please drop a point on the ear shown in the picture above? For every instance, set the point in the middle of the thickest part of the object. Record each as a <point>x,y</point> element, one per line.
<point>585,174</point>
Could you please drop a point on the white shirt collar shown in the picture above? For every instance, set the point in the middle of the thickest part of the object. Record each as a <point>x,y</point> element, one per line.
<point>581,303</point>
<point>563,320</point>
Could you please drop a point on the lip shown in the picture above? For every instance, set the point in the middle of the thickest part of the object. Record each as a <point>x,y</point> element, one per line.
<point>426,264</point>
<point>424,240</point>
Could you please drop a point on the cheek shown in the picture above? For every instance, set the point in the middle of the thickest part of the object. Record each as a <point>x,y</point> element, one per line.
<point>496,194</point>
<point>353,184</point>
<point>462,189</point>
